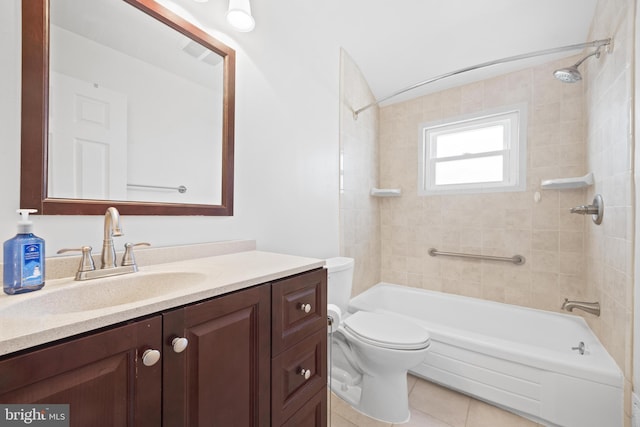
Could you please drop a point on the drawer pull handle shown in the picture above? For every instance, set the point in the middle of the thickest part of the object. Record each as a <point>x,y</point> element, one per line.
<point>150,357</point>
<point>179,344</point>
<point>305,307</point>
<point>306,373</point>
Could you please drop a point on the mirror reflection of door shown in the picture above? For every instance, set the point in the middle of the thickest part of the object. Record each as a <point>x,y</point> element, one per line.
<point>173,90</point>
<point>88,140</point>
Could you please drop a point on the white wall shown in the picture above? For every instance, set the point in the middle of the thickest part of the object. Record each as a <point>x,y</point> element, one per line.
<point>286,149</point>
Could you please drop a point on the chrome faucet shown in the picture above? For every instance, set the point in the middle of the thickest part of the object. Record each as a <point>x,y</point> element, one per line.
<point>108,266</point>
<point>589,307</point>
<point>111,228</point>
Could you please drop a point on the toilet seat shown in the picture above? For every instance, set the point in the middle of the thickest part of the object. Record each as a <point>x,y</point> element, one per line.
<point>386,331</point>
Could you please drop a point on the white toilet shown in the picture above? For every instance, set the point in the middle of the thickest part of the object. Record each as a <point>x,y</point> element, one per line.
<point>370,353</point>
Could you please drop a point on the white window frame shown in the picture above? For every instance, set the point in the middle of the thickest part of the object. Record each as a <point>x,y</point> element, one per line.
<point>514,152</point>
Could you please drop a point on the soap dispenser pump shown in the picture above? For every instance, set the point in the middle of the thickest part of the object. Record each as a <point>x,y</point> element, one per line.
<point>23,258</point>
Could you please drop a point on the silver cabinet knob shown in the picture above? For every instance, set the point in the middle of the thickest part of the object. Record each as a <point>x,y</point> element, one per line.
<point>150,357</point>
<point>179,344</point>
<point>306,373</point>
<point>305,307</point>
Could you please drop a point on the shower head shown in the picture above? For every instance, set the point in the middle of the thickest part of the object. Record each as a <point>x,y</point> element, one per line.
<point>571,74</point>
<point>568,75</point>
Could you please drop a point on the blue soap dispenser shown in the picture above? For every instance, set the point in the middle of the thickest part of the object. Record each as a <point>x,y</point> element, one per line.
<point>23,258</point>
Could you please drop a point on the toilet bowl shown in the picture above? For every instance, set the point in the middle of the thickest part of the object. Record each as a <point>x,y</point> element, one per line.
<point>371,352</point>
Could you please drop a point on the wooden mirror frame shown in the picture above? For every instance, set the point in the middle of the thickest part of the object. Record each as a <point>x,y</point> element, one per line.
<point>35,118</point>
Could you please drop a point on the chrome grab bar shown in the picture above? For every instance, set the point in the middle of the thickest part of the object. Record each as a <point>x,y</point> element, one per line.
<point>516,259</point>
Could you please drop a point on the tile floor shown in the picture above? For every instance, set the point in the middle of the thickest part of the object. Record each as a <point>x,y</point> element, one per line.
<point>433,406</point>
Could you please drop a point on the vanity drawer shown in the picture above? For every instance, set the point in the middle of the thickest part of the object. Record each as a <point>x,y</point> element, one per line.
<point>313,414</point>
<point>290,388</point>
<point>299,308</point>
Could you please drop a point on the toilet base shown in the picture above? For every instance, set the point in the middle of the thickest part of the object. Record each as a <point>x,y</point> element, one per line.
<point>344,380</point>
<point>383,398</point>
<point>349,393</point>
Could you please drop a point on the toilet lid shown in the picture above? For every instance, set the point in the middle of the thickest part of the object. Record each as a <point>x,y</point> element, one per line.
<point>386,330</point>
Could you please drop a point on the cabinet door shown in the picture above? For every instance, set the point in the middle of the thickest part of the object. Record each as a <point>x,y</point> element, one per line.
<point>222,378</point>
<point>100,376</point>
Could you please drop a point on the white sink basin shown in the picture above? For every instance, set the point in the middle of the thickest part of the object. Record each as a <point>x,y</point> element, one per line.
<point>102,293</point>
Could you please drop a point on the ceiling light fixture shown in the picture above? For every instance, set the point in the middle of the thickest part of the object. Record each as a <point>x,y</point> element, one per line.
<point>239,15</point>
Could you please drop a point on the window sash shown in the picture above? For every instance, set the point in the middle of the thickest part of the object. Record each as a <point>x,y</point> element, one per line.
<point>505,154</point>
<point>457,128</point>
<point>513,123</point>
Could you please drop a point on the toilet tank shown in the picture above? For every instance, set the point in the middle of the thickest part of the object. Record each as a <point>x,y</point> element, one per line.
<point>339,281</point>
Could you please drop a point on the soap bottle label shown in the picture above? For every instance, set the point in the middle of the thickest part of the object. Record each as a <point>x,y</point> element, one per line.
<point>31,264</point>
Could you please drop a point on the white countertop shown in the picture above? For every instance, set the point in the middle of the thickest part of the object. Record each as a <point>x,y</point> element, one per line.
<point>216,275</point>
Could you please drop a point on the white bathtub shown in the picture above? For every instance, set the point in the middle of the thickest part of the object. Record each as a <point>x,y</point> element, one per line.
<point>517,358</point>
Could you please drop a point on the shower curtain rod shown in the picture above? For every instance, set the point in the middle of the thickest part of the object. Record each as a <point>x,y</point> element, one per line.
<point>594,43</point>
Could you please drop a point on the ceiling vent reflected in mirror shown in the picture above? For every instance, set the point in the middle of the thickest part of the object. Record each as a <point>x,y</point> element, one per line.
<point>201,53</point>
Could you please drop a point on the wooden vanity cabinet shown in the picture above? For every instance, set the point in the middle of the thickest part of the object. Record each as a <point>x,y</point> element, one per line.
<point>99,375</point>
<point>244,364</point>
<point>223,376</point>
<point>299,350</point>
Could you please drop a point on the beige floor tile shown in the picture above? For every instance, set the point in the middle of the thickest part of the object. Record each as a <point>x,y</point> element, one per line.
<point>338,421</point>
<point>341,408</point>
<point>441,403</point>
<point>411,381</point>
<point>420,419</point>
<point>432,406</point>
<point>484,415</point>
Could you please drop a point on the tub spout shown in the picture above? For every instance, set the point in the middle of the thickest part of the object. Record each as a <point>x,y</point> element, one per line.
<point>589,307</point>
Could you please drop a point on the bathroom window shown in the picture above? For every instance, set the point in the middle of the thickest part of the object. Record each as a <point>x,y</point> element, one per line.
<point>480,153</point>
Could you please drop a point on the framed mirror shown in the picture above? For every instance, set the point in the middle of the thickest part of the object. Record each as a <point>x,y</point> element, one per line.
<point>125,104</point>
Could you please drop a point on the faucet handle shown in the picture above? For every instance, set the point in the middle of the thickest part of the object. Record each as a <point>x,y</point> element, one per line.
<point>86,262</point>
<point>128,258</point>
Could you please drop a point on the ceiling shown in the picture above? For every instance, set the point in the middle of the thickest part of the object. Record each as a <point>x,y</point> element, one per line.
<point>399,43</point>
<point>124,29</point>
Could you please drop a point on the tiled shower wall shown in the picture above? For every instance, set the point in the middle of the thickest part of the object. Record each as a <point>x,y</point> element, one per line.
<point>573,129</point>
<point>610,146</point>
<point>359,213</point>
<point>500,224</point>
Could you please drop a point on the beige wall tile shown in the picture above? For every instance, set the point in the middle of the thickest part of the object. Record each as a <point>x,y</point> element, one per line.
<point>360,215</point>
<point>573,129</point>
<point>500,224</point>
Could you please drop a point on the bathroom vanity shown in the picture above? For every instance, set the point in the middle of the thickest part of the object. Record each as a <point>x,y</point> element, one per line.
<point>246,347</point>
